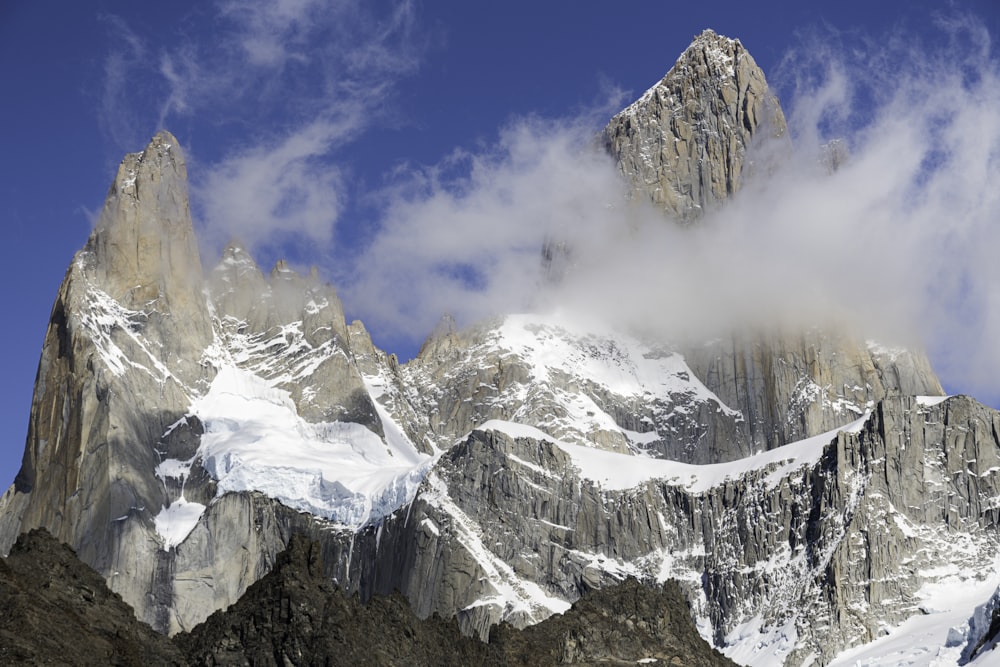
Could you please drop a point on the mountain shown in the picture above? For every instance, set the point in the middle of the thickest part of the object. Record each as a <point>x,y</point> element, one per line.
<point>684,142</point>
<point>810,492</point>
<point>56,610</point>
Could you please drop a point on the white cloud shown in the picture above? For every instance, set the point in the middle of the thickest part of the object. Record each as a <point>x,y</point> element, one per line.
<point>901,240</point>
<point>284,190</point>
<point>471,244</point>
<point>291,80</point>
<point>116,116</point>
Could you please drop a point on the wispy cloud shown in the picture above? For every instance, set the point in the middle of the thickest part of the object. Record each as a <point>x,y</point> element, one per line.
<point>466,235</point>
<point>277,192</point>
<point>117,116</point>
<point>900,241</point>
<point>288,82</point>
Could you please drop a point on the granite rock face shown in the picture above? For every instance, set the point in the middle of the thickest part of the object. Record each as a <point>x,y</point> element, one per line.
<point>792,386</point>
<point>684,143</point>
<point>119,365</point>
<point>509,525</point>
<point>137,335</point>
<point>297,320</point>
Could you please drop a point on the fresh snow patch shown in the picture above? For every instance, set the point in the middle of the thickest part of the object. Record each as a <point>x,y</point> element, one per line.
<point>431,526</point>
<point>937,637</point>
<point>173,469</point>
<point>616,472</point>
<point>594,353</point>
<point>755,645</point>
<point>254,440</point>
<point>176,522</point>
<point>931,401</point>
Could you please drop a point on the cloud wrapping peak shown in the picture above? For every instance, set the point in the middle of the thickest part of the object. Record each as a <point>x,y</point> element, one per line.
<point>899,241</point>
<point>471,244</point>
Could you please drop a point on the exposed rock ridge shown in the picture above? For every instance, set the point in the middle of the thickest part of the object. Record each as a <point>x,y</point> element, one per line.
<point>56,610</point>
<point>290,330</point>
<point>687,144</point>
<point>792,386</point>
<point>684,142</point>
<point>137,333</point>
<point>863,523</point>
<point>600,388</point>
<point>119,365</point>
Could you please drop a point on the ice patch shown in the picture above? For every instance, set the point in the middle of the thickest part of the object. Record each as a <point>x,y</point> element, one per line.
<point>254,440</point>
<point>176,522</point>
<point>931,401</point>
<point>937,637</point>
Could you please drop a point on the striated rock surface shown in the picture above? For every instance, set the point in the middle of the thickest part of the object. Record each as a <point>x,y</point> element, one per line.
<point>684,142</point>
<point>119,365</point>
<point>786,557</point>
<point>291,331</point>
<point>791,386</point>
<point>576,380</point>
<point>687,144</point>
<point>138,334</point>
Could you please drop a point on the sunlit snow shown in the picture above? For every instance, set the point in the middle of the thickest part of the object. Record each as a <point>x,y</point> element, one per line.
<point>176,522</point>
<point>614,471</point>
<point>937,637</point>
<point>255,441</point>
<point>590,352</point>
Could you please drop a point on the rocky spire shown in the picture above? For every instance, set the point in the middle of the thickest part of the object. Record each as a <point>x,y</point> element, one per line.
<point>684,142</point>
<point>143,246</point>
<point>119,365</point>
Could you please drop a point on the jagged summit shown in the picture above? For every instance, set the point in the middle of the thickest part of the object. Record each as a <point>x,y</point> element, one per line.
<point>683,143</point>
<point>143,244</point>
<point>184,426</point>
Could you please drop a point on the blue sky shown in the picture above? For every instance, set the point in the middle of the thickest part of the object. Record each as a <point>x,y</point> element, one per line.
<point>374,118</point>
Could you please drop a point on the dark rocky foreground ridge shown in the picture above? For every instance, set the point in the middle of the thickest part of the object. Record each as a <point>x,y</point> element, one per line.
<point>56,610</point>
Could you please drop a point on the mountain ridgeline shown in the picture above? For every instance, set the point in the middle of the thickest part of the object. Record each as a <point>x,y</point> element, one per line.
<point>803,490</point>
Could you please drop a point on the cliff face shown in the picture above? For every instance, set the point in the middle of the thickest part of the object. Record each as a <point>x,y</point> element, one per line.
<point>687,145</point>
<point>137,335</point>
<point>510,523</point>
<point>801,487</point>
<point>119,365</point>
<point>684,143</point>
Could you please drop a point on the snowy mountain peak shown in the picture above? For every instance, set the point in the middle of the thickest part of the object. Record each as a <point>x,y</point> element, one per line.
<point>807,491</point>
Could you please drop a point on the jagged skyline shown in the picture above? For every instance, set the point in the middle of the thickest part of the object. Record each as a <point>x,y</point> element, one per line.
<point>445,88</point>
<point>814,488</point>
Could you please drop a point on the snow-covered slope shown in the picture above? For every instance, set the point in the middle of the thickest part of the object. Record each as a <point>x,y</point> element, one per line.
<point>255,440</point>
<point>576,379</point>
